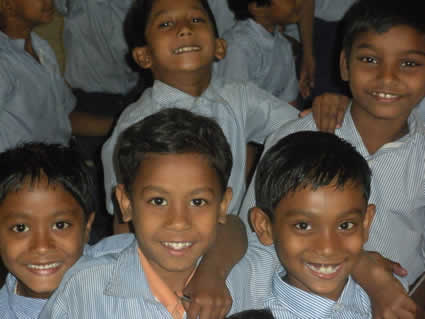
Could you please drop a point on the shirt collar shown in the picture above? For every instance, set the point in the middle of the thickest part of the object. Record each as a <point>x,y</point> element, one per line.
<point>31,307</point>
<point>299,301</point>
<point>267,38</point>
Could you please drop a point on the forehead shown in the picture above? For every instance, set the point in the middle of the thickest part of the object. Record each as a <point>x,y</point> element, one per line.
<point>400,38</point>
<point>325,200</point>
<point>168,6</point>
<point>171,170</point>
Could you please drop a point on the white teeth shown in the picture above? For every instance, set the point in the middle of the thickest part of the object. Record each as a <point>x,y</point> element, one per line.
<point>177,245</point>
<point>326,270</point>
<point>186,49</point>
<point>43,267</point>
<point>384,95</point>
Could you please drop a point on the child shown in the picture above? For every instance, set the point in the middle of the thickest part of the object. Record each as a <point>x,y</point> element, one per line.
<point>183,79</point>
<point>383,60</point>
<point>36,104</point>
<point>258,51</point>
<point>315,211</point>
<point>46,208</point>
<point>174,167</point>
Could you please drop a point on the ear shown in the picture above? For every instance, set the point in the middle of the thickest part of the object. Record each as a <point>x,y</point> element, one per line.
<point>124,203</point>
<point>225,202</point>
<point>142,57</point>
<point>89,226</point>
<point>367,221</point>
<point>343,66</point>
<point>262,225</point>
<point>220,48</point>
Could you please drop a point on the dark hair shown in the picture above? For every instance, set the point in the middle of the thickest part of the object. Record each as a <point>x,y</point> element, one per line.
<point>135,25</point>
<point>380,16</point>
<point>61,165</point>
<point>308,159</point>
<point>173,131</point>
<point>253,314</point>
<point>240,7</point>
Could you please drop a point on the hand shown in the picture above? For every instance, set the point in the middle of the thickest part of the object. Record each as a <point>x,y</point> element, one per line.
<point>210,298</point>
<point>329,110</point>
<point>388,297</point>
<point>306,81</point>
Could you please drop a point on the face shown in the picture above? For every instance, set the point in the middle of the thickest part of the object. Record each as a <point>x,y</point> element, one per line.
<point>283,12</point>
<point>386,73</point>
<point>180,38</point>
<point>32,12</point>
<point>42,234</point>
<point>175,205</point>
<point>318,236</point>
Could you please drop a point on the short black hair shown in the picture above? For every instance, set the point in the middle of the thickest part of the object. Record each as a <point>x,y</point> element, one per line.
<point>135,25</point>
<point>308,159</point>
<point>173,131</point>
<point>29,162</point>
<point>380,16</point>
<point>240,7</point>
<point>253,314</point>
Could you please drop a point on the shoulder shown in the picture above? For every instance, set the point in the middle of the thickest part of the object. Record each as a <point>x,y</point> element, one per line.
<point>109,245</point>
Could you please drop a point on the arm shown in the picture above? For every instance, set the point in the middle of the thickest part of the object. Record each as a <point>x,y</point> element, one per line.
<point>90,125</point>
<point>305,25</point>
<point>389,299</point>
<point>210,298</point>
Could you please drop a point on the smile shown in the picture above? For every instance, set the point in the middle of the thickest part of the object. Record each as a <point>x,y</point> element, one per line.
<point>187,49</point>
<point>43,267</point>
<point>177,245</point>
<point>324,269</point>
<point>383,95</point>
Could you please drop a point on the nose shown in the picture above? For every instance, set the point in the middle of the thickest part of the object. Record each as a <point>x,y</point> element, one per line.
<point>327,243</point>
<point>185,29</point>
<point>178,218</point>
<point>42,241</point>
<point>388,73</point>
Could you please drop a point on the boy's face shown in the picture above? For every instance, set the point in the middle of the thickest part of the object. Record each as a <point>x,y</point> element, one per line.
<point>278,13</point>
<point>42,234</point>
<point>318,236</point>
<point>175,205</point>
<point>32,12</point>
<point>180,37</point>
<point>386,72</point>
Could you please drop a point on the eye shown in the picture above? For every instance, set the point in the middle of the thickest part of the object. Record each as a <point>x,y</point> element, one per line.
<point>409,64</point>
<point>165,24</point>
<point>198,202</point>
<point>198,20</point>
<point>61,225</point>
<point>368,59</point>
<point>303,226</point>
<point>158,201</point>
<point>346,226</point>
<point>20,228</point>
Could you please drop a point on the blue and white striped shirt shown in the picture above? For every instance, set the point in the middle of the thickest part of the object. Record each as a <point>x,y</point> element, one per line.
<point>35,102</point>
<point>397,190</point>
<point>115,286</point>
<point>266,59</point>
<point>95,47</point>
<point>13,306</point>
<point>289,302</point>
<point>244,112</point>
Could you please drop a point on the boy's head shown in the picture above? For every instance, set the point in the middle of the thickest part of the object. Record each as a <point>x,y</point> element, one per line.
<point>383,56</point>
<point>168,37</point>
<point>253,314</point>
<point>267,12</point>
<point>46,208</point>
<point>174,167</point>
<point>312,192</point>
<point>26,13</point>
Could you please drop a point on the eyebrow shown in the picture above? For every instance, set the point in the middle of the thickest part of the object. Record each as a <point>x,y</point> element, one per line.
<point>161,12</point>
<point>163,191</point>
<point>24,214</point>
<point>408,52</point>
<point>296,212</point>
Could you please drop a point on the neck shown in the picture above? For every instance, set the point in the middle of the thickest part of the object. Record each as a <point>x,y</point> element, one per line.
<point>16,29</point>
<point>377,132</point>
<point>177,280</point>
<point>192,83</point>
<point>265,24</point>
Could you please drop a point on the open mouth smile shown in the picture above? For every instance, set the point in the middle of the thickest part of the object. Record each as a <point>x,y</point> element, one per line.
<point>326,271</point>
<point>177,245</point>
<point>187,49</point>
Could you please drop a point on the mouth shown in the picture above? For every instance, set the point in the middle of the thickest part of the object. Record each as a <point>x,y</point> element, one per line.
<point>177,245</point>
<point>385,96</point>
<point>44,269</point>
<point>326,271</point>
<point>44,266</point>
<point>187,49</point>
